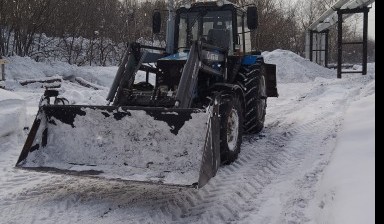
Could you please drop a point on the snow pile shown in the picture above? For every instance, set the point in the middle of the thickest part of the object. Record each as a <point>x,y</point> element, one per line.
<point>292,68</point>
<point>12,113</point>
<point>20,68</point>
<point>370,68</point>
<point>87,85</point>
<point>84,96</point>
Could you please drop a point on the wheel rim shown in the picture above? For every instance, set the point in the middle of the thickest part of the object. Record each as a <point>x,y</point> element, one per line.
<point>232,130</point>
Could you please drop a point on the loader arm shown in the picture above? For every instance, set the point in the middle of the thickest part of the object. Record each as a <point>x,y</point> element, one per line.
<point>200,53</point>
<point>125,75</point>
<point>188,79</point>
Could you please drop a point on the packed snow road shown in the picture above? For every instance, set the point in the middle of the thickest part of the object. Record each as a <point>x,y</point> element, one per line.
<point>273,181</point>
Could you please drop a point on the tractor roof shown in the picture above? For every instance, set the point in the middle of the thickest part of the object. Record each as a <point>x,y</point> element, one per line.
<point>211,4</point>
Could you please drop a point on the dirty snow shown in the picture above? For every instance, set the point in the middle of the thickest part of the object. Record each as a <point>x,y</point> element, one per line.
<point>313,163</point>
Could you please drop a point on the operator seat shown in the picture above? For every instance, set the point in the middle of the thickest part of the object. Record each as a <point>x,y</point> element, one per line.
<point>219,36</point>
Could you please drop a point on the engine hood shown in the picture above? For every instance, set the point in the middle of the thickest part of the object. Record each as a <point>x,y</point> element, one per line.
<point>181,56</point>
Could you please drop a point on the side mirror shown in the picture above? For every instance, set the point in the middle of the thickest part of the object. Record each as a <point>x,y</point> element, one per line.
<point>252,18</point>
<point>156,22</point>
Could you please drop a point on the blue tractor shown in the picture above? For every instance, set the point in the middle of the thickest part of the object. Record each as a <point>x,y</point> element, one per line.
<point>176,114</point>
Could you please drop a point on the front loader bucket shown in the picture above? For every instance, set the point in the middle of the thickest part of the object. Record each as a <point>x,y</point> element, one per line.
<point>177,147</point>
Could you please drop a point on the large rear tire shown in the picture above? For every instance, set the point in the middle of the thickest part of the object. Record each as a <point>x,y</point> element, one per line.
<point>252,81</point>
<point>231,129</point>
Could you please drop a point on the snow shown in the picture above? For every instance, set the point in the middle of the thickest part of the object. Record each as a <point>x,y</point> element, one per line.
<point>12,113</point>
<point>314,162</point>
<point>20,68</point>
<point>293,68</point>
<point>348,184</point>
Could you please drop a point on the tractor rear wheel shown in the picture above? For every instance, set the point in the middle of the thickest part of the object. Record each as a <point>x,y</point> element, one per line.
<point>253,84</point>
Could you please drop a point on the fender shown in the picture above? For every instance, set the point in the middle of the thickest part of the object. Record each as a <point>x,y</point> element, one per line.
<point>230,88</point>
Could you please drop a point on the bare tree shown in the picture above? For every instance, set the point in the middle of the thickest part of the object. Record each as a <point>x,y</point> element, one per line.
<point>97,31</point>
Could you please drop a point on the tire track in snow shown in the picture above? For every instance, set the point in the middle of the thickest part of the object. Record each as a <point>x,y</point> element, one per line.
<point>235,187</point>
<point>288,157</point>
<point>320,146</point>
<point>240,183</point>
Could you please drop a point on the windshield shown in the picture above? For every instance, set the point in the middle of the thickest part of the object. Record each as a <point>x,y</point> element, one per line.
<point>214,27</point>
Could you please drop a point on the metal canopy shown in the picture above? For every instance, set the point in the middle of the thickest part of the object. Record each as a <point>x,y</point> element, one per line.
<point>330,17</point>
<point>317,35</point>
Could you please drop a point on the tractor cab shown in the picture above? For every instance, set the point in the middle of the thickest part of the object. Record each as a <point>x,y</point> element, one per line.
<point>227,26</point>
<point>223,35</point>
<point>221,26</point>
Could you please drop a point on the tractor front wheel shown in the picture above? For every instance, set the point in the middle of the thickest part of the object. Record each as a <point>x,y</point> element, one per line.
<point>231,129</point>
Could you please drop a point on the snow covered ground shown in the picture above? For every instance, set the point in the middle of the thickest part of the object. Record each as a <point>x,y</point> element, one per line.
<point>313,163</point>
